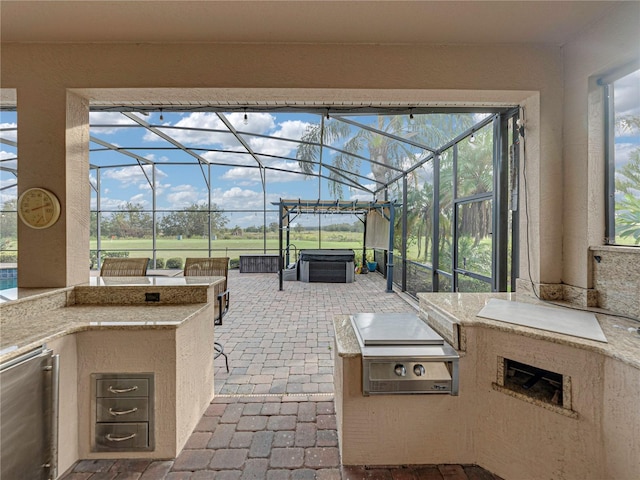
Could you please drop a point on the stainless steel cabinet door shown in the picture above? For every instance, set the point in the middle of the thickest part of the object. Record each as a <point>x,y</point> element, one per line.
<point>26,417</point>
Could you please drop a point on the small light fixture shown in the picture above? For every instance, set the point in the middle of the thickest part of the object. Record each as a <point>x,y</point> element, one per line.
<point>245,120</point>
<point>328,114</point>
<point>412,120</point>
<point>472,138</point>
<point>161,117</point>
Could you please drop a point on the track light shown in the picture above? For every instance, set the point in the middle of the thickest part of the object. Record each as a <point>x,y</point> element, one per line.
<point>412,120</point>
<point>328,114</point>
<point>245,120</point>
<point>161,117</point>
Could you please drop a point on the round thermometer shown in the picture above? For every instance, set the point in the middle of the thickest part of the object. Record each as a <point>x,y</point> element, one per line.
<point>38,208</point>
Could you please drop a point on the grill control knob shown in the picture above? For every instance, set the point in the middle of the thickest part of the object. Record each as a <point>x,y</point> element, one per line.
<point>400,370</point>
<point>418,370</point>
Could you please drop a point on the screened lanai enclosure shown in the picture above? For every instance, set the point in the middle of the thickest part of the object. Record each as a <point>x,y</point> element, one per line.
<point>171,182</point>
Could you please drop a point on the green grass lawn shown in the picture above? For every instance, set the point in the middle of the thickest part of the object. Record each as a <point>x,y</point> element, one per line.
<point>233,247</point>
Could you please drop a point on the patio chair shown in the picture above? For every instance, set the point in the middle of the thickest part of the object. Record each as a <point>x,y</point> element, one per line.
<point>213,267</point>
<point>124,267</point>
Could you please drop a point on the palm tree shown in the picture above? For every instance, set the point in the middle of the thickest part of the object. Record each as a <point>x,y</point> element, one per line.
<point>419,211</point>
<point>627,209</point>
<point>383,150</point>
<point>475,176</point>
<point>628,217</point>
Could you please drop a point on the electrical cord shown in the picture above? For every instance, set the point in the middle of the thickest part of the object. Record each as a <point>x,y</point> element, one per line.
<point>526,215</point>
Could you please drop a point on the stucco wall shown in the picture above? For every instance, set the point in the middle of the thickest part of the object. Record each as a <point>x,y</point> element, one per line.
<point>594,437</point>
<point>121,351</point>
<point>621,420</point>
<point>607,45</point>
<point>194,372</point>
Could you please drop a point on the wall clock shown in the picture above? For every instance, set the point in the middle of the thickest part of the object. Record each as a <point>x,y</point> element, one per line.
<point>38,208</point>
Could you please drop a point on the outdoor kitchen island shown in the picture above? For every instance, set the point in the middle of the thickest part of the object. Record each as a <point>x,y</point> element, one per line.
<point>586,427</point>
<point>148,338</point>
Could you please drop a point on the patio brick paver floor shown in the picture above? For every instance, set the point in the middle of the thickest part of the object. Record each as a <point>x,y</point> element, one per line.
<point>273,415</point>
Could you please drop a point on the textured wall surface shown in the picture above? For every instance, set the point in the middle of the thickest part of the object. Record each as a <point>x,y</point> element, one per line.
<point>616,279</point>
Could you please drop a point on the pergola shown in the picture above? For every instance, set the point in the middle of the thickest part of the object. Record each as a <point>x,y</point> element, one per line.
<point>289,210</point>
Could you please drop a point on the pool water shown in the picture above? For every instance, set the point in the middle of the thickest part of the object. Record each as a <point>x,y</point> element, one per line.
<point>8,277</point>
<point>8,283</point>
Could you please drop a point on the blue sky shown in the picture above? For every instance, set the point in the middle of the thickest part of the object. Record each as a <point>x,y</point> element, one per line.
<point>179,180</point>
<point>233,185</point>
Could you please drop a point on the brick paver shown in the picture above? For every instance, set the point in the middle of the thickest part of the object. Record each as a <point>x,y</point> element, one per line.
<point>193,460</point>
<point>229,459</point>
<point>273,416</point>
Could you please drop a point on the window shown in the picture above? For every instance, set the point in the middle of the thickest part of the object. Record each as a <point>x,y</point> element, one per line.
<point>623,157</point>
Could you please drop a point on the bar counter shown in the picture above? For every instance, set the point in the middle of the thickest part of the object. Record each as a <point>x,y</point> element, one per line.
<point>161,327</point>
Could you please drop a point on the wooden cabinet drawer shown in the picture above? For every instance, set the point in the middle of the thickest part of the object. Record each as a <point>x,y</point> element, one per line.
<point>121,436</point>
<point>120,410</point>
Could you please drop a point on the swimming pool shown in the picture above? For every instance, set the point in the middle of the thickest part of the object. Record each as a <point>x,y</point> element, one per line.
<point>8,278</point>
<point>8,283</point>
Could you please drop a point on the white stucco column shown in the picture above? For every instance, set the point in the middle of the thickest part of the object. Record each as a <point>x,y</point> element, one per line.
<point>53,139</point>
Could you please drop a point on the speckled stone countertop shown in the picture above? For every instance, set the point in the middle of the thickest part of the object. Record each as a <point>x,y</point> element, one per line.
<point>346,341</point>
<point>132,290</point>
<point>461,309</point>
<point>40,316</point>
<point>22,335</point>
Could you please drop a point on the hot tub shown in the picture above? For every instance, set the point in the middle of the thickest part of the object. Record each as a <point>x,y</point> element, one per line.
<point>327,265</point>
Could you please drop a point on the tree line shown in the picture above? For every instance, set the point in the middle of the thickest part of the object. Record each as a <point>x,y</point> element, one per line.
<point>133,221</point>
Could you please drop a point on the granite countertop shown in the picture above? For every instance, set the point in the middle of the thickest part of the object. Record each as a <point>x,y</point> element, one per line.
<point>14,295</point>
<point>461,309</point>
<point>346,340</point>
<point>38,316</point>
<point>156,281</point>
<point>22,335</point>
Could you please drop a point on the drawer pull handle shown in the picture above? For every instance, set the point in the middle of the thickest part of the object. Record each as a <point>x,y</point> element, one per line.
<point>116,413</point>
<point>111,438</point>
<point>122,390</point>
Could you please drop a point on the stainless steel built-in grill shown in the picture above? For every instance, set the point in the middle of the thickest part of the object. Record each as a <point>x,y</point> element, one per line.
<point>402,354</point>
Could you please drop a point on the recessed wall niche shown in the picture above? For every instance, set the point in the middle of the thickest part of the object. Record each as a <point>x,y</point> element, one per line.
<point>544,388</point>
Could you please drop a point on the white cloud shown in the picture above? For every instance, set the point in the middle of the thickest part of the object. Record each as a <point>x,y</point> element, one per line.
<point>107,203</point>
<point>252,175</point>
<point>129,176</point>
<point>237,198</point>
<point>256,123</point>
<point>182,196</point>
<point>140,199</point>
<point>627,94</point>
<point>8,163</point>
<point>290,129</point>
<point>229,158</point>
<point>360,196</point>
<point>6,182</point>
<point>4,154</point>
<point>108,118</point>
<point>622,152</point>
<point>11,135</point>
